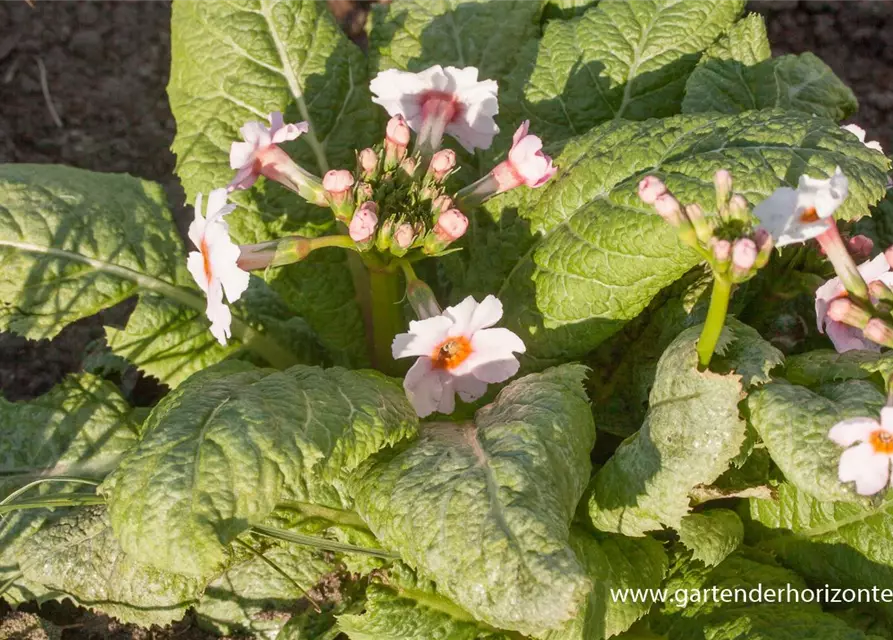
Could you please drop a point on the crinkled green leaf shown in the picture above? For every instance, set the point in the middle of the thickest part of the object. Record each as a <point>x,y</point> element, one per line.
<point>270,55</point>
<point>219,451</point>
<point>691,432</point>
<point>81,427</point>
<point>747,42</point>
<point>750,356</point>
<point>614,563</point>
<point>599,255</point>
<point>711,618</point>
<point>565,9</point>
<point>711,535</point>
<point>796,82</point>
<point>619,60</point>
<point>403,606</point>
<point>821,367</point>
<point>252,597</point>
<point>844,544</point>
<point>794,422</point>
<point>484,508</point>
<point>78,556</point>
<point>416,34</point>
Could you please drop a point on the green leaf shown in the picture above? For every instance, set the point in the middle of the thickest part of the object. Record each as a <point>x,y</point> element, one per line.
<point>711,535</point>
<point>620,60</point>
<point>252,597</point>
<point>402,606</point>
<point>843,544</point>
<point>599,255</point>
<point>691,432</point>
<point>221,450</point>
<point>300,63</point>
<point>747,42</point>
<point>816,368</point>
<point>78,556</point>
<point>695,613</point>
<point>565,9</point>
<point>794,423</point>
<point>414,35</point>
<point>614,563</point>
<point>794,82</point>
<point>484,508</point>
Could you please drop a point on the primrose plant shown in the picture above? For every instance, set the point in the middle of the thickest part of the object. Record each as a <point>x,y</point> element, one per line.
<point>417,281</point>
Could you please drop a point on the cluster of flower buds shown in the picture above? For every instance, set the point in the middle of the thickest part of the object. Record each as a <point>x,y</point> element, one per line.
<point>728,241</point>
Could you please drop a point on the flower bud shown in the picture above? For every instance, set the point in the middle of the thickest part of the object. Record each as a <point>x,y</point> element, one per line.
<point>744,256</point>
<point>879,331</point>
<point>722,180</point>
<point>668,208</point>
<point>364,192</point>
<point>368,161</point>
<point>385,231</point>
<point>651,188</point>
<point>722,250</point>
<point>404,236</point>
<point>441,164</point>
<point>879,291</point>
<point>860,247</point>
<point>440,204</point>
<point>738,208</point>
<point>696,216</point>
<point>337,184</point>
<point>362,225</point>
<point>450,226</point>
<point>765,243</point>
<point>848,312</point>
<point>408,167</point>
<point>396,141</point>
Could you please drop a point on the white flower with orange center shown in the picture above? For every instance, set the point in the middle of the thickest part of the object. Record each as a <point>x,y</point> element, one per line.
<point>867,463</point>
<point>214,264</point>
<point>457,353</point>
<point>441,100</point>
<point>797,215</point>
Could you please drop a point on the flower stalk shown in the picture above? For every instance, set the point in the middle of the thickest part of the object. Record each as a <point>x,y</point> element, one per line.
<point>288,250</point>
<point>387,316</point>
<point>716,318</point>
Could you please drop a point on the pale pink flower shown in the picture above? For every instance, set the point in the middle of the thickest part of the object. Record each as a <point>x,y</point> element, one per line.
<point>526,162</point>
<point>439,100</point>
<point>651,188</point>
<point>845,337</point>
<point>859,132</point>
<point>744,255</point>
<point>214,265</point>
<point>457,353</point>
<point>867,464</point>
<point>259,148</point>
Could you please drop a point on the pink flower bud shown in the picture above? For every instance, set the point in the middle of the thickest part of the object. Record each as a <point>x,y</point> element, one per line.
<point>722,250</point>
<point>404,235</point>
<point>846,311</point>
<point>651,188</point>
<point>337,182</point>
<point>408,166</point>
<point>722,180</point>
<point>440,204</point>
<point>878,331</point>
<point>368,162</point>
<point>738,207</point>
<point>860,247</point>
<point>362,225</point>
<point>744,255</point>
<point>761,238</point>
<point>451,225</point>
<point>442,163</point>
<point>397,132</point>
<point>668,208</point>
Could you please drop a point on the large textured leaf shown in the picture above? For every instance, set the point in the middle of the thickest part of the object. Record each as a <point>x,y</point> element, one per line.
<point>220,450</point>
<point>694,613</point>
<point>81,427</point>
<point>484,508</point>
<point>797,82</point>
<point>691,432</point>
<point>614,563</point>
<point>272,55</point>
<point>402,606</point>
<point>843,544</point>
<point>78,556</point>
<point>619,60</point>
<point>794,423</point>
<point>816,368</point>
<point>747,42</point>
<point>73,243</point>
<point>711,535</point>
<point>600,255</point>
<point>252,597</point>
<point>416,34</point>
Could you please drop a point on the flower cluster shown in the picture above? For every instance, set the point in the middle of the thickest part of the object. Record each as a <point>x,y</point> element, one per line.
<point>394,207</point>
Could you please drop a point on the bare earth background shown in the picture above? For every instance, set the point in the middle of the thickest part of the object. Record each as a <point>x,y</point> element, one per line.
<point>106,69</point>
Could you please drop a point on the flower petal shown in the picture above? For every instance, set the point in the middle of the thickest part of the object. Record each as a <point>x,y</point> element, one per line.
<point>448,396</point>
<point>869,470</point>
<point>469,388</point>
<point>241,154</point>
<point>469,316</point>
<point>873,269</point>
<point>195,263</point>
<point>219,314</point>
<point>424,387</point>
<point>848,432</point>
<point>887,419</point>
<point>497,370</point>
<point>290,132</point>
<point>846,338</point>
<point>423,337</point>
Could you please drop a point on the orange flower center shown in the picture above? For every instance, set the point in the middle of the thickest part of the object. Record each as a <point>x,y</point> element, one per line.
<point>809,215</point>
<point>450,353</point>
<point>881,441</point>
<point>206,256</point>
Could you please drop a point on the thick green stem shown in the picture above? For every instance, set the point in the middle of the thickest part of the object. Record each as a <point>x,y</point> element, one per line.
<point>52,502</point>
<point>387,316</point>
<point>716,318</point>
<point>336,516</point>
